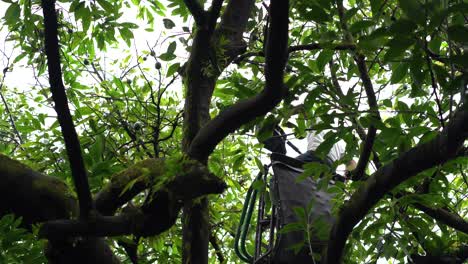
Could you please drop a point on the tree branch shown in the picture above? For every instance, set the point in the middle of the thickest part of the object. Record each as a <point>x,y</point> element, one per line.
<point>199,90</point>
<point>153,218</point>
<point>444,216</point>
<point>359,129</point>
<point>198,13</point>
<point>5,103</point>
<point>434,89</point>
<point>38,198</point>
<point>113,196</point>
<point>372,100</point>
<point>213,14</point>
<point>215,244</point>
<point>64,117</point>
<point>437,151</point>
<point>372,131</point>
<point>232,118</point>
<point>291,49</point>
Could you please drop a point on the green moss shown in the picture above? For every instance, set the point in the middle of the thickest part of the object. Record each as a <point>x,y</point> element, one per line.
<point>11,167</point>
<point>142,171</point>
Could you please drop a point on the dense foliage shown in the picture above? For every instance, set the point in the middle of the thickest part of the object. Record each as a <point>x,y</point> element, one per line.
<point>384,76</point>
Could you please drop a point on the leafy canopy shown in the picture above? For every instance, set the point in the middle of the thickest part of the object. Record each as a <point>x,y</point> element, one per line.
<point>121,65</point>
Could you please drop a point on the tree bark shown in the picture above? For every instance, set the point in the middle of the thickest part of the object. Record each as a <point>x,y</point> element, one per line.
<point>39,198</point>
<point>199,84</point>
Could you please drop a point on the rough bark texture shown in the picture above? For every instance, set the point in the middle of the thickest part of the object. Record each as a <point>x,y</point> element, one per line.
<point>439,150</point>
<point>38,198</point>
<point>113,196</point>
<point>157,215</point>
<point>202,70</point>
<point>200,139</point>
<point>43,199</point>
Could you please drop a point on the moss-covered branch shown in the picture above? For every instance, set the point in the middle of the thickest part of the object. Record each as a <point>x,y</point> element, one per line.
<point>155,216</point>
<point>38,198</point>
<point>123,186</point>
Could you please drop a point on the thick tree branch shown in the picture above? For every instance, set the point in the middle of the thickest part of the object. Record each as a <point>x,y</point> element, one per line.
<point>199,90</point>
<point>64,117</point>
<point>38,198</point>
<point>213,14</point>
<point>113,196</point>
<point>154,217</point>
<point>444,216</point>
<point>31,195</point>
<point>232,27</point>
<point>439,150</point>
<point>198,13</point>
<point>232,118</point>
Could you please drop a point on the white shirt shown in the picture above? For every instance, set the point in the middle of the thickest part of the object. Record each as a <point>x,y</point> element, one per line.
<point>315,139</point>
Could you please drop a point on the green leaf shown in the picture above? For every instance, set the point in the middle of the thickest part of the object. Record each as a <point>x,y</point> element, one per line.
<point>108,7</point>
<point>399,72</point>
<point>168,24</point>
<point>173,69</point>
<point>12,14</point>
<point>403,107</point>
<point>167,56</point>
<point>266,128</point>
<point>127,35</point>
<point>326,145</point>
<point>317,14</point>
<point>413,10</point>
<point>458,33</point>
<point>371,43</point>
<point>375,6</point>
<point>259,185</point>
<point>323,58</point>
<point>361,25</point>
<point>314,170</point>
<point>403,26</point>
<point>434,44</point>
<point>259,165</point>
<point>129,25</point>
<point>291,227</point>
<point>397,48</point>
<point>387,102</point>
<point>300,212</point>
<point>238,160</point>
<point>171,48</point>
<point>390,135</point>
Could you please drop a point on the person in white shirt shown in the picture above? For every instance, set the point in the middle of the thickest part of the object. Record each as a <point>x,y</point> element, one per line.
<point>336,152</point>
<point>276,144</point>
